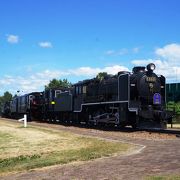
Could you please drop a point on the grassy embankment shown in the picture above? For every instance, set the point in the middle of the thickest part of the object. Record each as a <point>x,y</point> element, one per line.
<point>175,107</point>
<point>28,148</point>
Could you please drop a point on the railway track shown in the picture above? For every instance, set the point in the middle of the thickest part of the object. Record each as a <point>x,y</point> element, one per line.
<point>163,131</point>
<point>127,131</point>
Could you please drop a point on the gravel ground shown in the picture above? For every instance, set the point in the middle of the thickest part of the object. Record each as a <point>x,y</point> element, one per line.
<point>159,155</point>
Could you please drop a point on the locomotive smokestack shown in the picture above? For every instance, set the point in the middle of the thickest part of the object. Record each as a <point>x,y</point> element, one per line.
<point>138,69</point>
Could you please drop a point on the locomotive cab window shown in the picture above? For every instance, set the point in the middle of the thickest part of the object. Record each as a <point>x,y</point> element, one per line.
<point>52,94</point>
<point>80,89</point>
<point>57,93</point>
<point>84,89</point>
<point>23,100</point>
<point>76,89</point>
<point>31,97</point>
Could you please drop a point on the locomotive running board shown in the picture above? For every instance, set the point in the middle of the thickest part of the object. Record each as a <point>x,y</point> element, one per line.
<point>99,103</point>
<point>133,110</point>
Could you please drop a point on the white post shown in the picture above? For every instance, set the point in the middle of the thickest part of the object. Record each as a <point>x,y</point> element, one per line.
<point>24,119</point>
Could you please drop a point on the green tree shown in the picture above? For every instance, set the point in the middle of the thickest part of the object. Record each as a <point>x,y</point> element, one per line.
<point>6,97</point>
<point>101,75</point>
<point>55,83</point>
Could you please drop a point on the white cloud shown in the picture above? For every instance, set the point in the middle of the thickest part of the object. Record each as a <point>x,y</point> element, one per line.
<point>110,52</point>
<point>167,62</point>
<point>145,62</point>
<point>37,81</point>
<point>45,44</point>
<point>26,84</point>
<point>170,52</point>
<point>165,68</point>
<point>13,39</point>
<point>120,52</point>
<point>88,71</point>
<point>136,50</point>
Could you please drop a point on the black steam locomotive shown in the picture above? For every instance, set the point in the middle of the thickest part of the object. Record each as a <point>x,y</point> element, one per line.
<point>136,99</point>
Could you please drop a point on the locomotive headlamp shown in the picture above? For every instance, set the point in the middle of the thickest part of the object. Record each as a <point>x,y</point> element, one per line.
<point>151,67</point>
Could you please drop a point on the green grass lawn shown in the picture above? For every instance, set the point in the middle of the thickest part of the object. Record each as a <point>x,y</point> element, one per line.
<point>28,148</point>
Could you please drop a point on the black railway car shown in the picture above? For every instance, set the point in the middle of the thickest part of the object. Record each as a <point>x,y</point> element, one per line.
<point>57,104</point>
<point>5,110</point>
<point>30,104</point>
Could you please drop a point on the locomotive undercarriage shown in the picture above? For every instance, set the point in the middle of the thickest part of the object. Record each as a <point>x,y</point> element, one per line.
<point>109,118</point>
<point>99,114</point>
<point>107,114</point>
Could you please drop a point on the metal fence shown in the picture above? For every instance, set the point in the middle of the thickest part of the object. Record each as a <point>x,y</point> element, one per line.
<point>173,92</point>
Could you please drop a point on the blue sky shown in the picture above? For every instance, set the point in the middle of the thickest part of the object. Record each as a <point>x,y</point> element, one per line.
<point>76,39</point>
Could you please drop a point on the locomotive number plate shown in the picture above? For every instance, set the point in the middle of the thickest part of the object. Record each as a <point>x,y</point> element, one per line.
<point>150,79</point>
<point>157,98</point>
